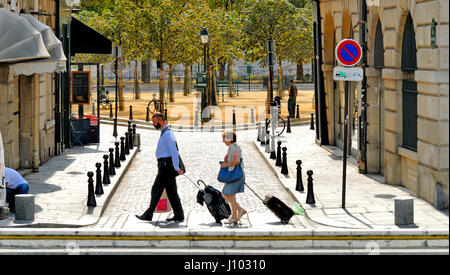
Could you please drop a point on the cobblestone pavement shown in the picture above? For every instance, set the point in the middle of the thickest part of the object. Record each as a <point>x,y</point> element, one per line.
<point>201,153</point>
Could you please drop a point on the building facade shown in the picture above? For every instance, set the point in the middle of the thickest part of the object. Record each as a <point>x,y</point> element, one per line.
<point>398,119</point>
<point>30,96</point>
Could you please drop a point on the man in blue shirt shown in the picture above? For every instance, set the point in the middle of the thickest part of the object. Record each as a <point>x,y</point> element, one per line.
<point>15,185</point>
<point>168,168</point>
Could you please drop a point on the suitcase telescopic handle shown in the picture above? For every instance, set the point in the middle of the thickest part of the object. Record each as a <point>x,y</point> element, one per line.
<point>254,192</point>
<point>196,184</point>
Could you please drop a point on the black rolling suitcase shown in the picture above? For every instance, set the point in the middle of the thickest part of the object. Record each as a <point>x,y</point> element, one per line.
<point>279,208</point>
<point>216,204</point>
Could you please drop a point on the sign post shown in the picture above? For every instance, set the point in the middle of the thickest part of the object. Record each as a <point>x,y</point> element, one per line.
<point>348,53</point>
<point>270,60</point>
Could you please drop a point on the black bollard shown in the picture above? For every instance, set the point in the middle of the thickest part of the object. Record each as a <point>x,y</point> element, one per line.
<point>147,118</point>
<point>91,197</point>
<point>272,145</point>
<point>117,155</point>
<point>122,149</point>
<point>259,131</point>
<point>234,119</point>
<point>127,144</point>
<point>131,112</point>
<point>289,125</point>
<point>98,179</point>
<point>284,167</point>
<point>165,114</point>
<point>263,135</point>
<point>134,135</point>
<point>278,161</point>
<point>110,110</point>
<point>112,171</point>
<point>299,187</point>
<point>106,179</point>
<point>312,122</point>
<point>267,148</point>
<point>298,111</point>
<point>310,194</point>
<point>130,136</point>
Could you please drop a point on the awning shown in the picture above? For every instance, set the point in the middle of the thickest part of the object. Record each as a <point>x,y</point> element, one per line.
<point>86,40</point>
<point>19,41</point>
<point>54,64</point>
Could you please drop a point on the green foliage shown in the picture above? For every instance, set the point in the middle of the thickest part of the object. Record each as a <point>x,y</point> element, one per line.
<point>280,21</point>
<point>168,30</point>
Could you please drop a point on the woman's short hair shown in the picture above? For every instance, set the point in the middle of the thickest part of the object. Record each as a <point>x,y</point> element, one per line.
<point>229,135</point>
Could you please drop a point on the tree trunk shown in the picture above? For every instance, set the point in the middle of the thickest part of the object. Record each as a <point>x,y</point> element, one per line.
<point>145,71</point>
<point>170,84</point>
<point>137,90</point>
<point>280,80</point>
<point>299,70</point>
<point>214,88</point>
<point>187,79</point>
<point>230,79</point>
<point>161,88</point>
<point>222,71</point>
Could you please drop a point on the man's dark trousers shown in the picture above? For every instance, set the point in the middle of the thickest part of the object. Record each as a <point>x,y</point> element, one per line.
<point>165,179</point>
<point>291,107</point>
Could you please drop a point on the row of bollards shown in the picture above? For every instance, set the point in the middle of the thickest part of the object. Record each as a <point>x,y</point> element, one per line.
<point>110,162</point>
<point>281,161</point>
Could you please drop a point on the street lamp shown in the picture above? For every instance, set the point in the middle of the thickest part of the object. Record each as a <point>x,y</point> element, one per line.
<point>204,36</point>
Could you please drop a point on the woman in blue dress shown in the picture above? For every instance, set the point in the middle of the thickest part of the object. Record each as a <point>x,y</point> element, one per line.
<point>233,158</point>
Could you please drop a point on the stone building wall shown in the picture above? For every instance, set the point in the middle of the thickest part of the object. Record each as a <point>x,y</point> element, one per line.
<point>426,170</point>
<point>16,101</point>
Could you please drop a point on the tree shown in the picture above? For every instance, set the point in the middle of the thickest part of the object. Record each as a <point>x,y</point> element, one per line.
<point>268,20</point>
<point>225,30</point>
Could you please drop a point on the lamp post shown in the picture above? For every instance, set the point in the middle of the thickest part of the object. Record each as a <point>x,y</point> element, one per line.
<point>204,36</point>
<point>117,53</point>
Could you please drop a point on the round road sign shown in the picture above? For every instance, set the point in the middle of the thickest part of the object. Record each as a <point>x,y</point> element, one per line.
<point>348,52</point>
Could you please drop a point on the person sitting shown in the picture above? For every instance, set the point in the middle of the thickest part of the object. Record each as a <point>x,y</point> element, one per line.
<point>15,185</point>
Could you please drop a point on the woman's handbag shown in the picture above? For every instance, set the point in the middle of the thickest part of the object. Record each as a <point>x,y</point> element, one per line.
<point>227,176</point>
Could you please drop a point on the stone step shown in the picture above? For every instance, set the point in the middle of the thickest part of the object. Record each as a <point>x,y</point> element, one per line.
<point>71,250</point>
<point>141,124</point>
<point>229,239</point>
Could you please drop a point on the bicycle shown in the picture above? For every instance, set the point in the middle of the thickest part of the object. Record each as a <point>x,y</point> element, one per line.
<point>281,125</point>
<point>153,108</point>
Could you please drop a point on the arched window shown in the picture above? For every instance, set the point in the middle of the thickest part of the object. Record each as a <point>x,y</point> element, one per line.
<point>379,47</point>
<point>409,89</point>
<point>409,50</point>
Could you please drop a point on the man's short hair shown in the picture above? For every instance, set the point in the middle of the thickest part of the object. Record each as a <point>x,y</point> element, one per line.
<point>291,81</point>
<point>159,116</point>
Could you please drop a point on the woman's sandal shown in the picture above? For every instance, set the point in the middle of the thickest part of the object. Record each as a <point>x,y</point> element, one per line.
<point>232,221</point>
<point>242,213</point>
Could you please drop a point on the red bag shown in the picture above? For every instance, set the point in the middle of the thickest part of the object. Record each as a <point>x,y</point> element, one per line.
<point>163,205</point>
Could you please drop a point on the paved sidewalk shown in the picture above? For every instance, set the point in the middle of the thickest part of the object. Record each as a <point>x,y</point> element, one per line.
<point>369,201</point>
<point>61,185</point>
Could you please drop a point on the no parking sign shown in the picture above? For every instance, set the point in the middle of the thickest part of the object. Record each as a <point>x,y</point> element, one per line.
<point>348,52</point>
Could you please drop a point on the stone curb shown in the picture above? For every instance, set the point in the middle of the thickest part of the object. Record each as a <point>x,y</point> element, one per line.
<point>142,124</point>
<point>289,185</point>
<point>91,214</point>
